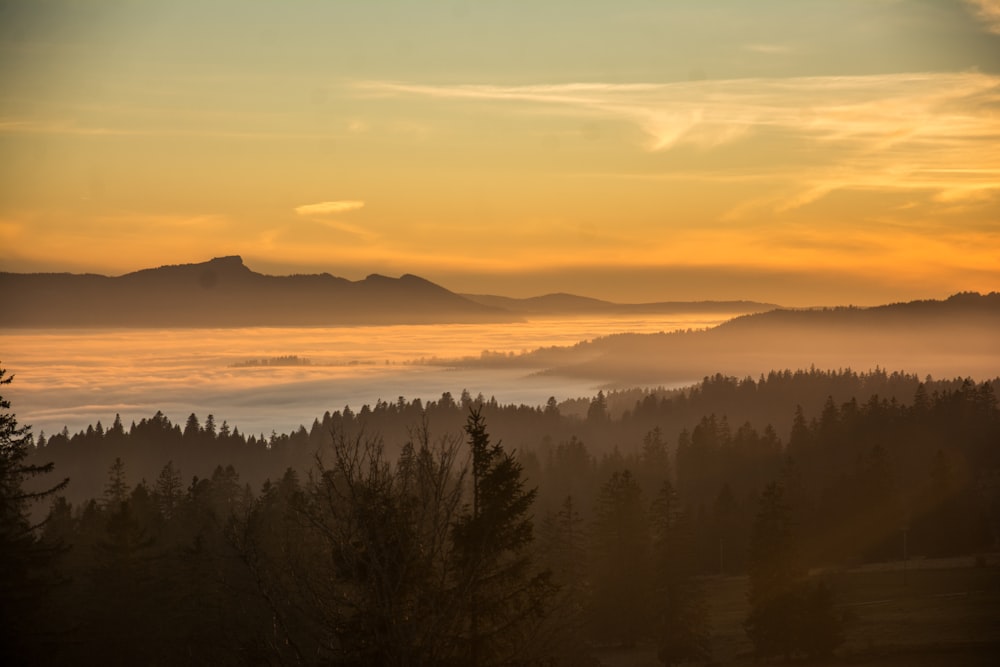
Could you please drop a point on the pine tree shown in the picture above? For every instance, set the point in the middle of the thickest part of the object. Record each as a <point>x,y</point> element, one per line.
<point>620,571</point>
<point>492,543</point>
<point>192,428</point>
<point>598,410</point>
<point>562,549</point>
<point>25,561</point>
<point>678,605</point>
<point>169,491</point>
<point>125,612</point>
<point>210,427</point>
<point>116,490</point>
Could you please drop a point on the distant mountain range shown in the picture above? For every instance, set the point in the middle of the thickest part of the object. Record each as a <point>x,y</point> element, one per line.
<point>224,292</point>
<point>959,336</point>
<point>571,304</point>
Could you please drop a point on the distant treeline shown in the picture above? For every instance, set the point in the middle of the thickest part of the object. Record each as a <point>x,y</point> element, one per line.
<point>286,360</point>
<point>198,543</point>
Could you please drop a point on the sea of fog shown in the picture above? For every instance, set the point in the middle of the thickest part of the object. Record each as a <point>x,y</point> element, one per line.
<point>77,377</point>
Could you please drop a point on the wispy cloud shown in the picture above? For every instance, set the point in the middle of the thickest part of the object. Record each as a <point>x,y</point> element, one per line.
<point>329,207</point>
<point>865,132</point>
<point>326,212</point>
<point>987,11</point>
<point>883,108</point>
<point>140,127</point>
<point>348,228</point>
<point>25,126</point>
<point>769,49</point>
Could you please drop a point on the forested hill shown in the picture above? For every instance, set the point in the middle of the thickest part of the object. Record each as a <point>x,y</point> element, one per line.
<point>956,336</point>
<point>224,292</point>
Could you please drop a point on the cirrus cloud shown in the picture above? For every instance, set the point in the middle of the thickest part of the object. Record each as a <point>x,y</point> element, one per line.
<point>330,207</point>
<point>881,132</point>
<point>873,111</point>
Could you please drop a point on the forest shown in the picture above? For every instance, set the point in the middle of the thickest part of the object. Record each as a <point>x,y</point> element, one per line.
<point>467,532</point>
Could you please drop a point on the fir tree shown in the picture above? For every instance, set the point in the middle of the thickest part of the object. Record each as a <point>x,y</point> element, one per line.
<point>492,544</point>
<point>680,617</point>
<point>620,551</point>
<point>25,561</point>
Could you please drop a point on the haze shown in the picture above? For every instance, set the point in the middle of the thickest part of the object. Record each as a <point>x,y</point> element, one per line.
<point>76,377</point>
<point>801,153</point>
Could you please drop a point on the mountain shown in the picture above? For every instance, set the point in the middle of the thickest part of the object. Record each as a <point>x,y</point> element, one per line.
<point>571,304</point>
<point>956,336</point>
<point>224,292</point>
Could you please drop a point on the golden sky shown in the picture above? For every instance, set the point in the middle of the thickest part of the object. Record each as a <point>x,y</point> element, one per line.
<point>802,151</point>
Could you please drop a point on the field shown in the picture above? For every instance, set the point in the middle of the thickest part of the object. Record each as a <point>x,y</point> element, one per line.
<point>923,612</point>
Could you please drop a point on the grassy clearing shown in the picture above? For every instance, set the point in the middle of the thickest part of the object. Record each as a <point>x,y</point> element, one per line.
<point>921,612</point>
<point>930,612</point>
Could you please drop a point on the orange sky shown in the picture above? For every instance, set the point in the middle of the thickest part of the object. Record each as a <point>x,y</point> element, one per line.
<point>807,152</point>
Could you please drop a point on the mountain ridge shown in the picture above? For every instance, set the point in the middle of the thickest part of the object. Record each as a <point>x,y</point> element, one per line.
<point>225,292</point>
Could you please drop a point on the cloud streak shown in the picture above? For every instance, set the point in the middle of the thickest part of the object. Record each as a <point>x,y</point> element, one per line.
<point>769,49</point>
<point>31,126</point>
<point>886,131</point>
<point>885,108</point>
<point>330,207</point>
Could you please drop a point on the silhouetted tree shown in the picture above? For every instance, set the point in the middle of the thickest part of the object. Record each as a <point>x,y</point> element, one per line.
<point>384,530</point>
<point>492,543</point>
<point>598,410</point>
<point>25,560</point>
<point>562,547</point>
<point>169,490</point>
<point>680,619</point>
<point>620,552</point>
<point>116,489</point>
<point>192,428</point>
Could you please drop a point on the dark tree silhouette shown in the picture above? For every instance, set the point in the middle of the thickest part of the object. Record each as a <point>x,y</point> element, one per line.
<point>680,618</point>
<point>25,560</point>
<point>620,569</point>
<point>492,543</point>
<point>562,547</point>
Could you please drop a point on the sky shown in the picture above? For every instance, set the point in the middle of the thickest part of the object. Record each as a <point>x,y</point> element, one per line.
<point>800,152</point>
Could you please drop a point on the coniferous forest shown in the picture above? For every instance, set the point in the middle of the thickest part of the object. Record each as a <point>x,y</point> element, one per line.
<point>463,531</point>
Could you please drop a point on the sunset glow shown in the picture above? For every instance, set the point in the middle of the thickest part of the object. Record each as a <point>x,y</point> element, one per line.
<point>800,153</point>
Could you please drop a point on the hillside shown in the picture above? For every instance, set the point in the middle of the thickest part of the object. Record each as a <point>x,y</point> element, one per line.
<point>943,338</point>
